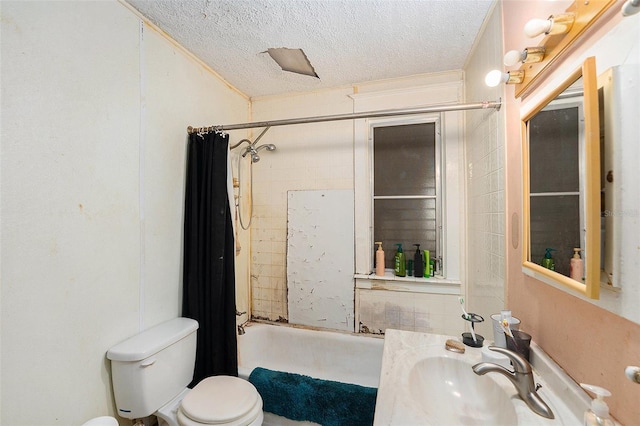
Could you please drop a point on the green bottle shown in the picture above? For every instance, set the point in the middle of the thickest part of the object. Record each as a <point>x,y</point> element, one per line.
<point>427,270</point>
<point>400,266</point>
<point>547,260</point>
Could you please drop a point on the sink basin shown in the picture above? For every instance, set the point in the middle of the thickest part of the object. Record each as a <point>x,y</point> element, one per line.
<point>439,382</point>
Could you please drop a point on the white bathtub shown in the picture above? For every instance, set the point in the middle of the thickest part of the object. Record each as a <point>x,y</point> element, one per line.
<point>338,356</point>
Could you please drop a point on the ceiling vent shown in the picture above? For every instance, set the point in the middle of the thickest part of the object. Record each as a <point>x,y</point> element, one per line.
<point>292,60</point>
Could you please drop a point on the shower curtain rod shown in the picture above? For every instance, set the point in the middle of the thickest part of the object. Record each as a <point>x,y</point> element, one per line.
<point>369,114</point>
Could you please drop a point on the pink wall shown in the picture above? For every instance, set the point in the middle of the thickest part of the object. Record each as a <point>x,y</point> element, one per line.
<point>593,345</point>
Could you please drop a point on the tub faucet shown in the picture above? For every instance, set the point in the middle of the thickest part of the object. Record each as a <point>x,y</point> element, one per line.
<point>521,377</point>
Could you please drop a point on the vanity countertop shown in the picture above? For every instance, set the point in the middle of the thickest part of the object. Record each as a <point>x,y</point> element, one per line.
<point>395,405</point>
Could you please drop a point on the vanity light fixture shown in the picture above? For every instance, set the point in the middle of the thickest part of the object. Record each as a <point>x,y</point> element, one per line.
<point>529,54</point>
<point>630,7</point>
<point>495,77</point>
<point>555,24</point>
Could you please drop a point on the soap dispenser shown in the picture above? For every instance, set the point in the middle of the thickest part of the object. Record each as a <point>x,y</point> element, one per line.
<point>547,260</point>
<point>379,260</point>
<point>418,263</point>
<point>400,265</point>
<point>577,265</point>
<point>598,414</point>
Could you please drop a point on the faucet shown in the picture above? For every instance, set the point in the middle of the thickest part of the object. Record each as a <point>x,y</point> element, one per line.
<point>241,326</point>
<point>521,377</point>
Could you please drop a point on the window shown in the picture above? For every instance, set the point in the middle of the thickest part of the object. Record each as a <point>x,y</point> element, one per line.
<point>421,193</point>
<point>556,187</point>
<point>407,195</point>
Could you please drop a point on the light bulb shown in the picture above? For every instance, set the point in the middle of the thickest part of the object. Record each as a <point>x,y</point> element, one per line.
<point>513,57</point>
<point>555,24</point>
<point>495,77</point>
<point>528,55</point>
<point>535,27</point>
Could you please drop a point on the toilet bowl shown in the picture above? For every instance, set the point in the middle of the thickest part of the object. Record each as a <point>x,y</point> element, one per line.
<point>216,400</point>
<point>221,400</point>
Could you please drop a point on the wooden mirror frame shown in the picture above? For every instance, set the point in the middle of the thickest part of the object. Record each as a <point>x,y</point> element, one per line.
<point>591,286</point>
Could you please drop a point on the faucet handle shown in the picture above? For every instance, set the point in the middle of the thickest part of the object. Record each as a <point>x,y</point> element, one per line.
<point>520,363</point>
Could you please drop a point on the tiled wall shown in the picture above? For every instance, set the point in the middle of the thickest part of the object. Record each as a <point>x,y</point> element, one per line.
<point>484,134</point>
<point>422,312</point>
<point>309,156</point>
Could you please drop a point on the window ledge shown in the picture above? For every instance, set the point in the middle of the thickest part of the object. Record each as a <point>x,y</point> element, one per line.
<point>409,284</point>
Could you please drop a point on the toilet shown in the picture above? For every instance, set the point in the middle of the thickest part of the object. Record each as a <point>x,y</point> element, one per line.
<point>150,373</point>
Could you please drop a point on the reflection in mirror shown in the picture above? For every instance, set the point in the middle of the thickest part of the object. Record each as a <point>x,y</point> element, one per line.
<point>556,138</point>
<point>562,185</point>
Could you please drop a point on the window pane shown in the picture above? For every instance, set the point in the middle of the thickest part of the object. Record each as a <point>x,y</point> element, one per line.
<point>555,223</point>
<point>553,139</point>
<point>404,160</point>
<point>407,222</point>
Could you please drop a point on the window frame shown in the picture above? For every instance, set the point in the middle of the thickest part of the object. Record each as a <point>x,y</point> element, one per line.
<point>443,89</point>
<point>439,185</point>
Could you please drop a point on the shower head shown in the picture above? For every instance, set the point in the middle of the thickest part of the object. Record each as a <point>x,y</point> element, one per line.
<point>254,151</point>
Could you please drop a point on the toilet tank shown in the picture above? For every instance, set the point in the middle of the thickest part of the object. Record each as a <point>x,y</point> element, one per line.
<point>151,368</point>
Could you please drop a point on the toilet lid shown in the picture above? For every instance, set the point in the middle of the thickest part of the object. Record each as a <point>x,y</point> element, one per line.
<point>220,399</point>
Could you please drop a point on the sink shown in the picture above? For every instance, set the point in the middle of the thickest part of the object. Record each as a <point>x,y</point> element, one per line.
<point>437,382</point>
<point>422,384</point>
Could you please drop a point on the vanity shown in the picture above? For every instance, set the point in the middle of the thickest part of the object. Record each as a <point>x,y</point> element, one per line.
<point>422,383</point>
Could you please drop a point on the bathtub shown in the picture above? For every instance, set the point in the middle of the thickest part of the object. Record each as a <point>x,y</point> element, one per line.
<point>328,355</point>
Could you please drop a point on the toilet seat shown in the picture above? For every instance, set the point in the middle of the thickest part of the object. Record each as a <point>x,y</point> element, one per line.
<point>221,400</point>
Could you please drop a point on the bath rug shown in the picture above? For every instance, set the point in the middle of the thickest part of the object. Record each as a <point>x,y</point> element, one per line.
<point>305,398</point>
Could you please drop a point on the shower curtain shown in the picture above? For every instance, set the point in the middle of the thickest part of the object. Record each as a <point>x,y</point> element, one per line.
<point>209,250</point>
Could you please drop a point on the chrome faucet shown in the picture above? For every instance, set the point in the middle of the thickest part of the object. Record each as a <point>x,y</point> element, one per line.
<point>521,377</point>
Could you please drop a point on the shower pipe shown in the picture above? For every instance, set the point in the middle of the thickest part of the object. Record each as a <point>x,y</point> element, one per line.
<point>353,116</point>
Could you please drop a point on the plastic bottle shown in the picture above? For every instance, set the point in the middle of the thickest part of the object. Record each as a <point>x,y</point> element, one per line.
<point>379,260</point>
<point>432,264</point>
<point>400,266</point>
<point>547,260</point>
<point>427,258</point>
<point>598,414</point>
<point>577,266</point>
<point>418,263</point>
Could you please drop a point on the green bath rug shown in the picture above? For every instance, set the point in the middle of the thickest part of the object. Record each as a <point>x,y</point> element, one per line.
<point>305,398</point>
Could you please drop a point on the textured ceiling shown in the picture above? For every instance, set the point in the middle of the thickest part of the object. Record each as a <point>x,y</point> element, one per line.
<point>346,41</point>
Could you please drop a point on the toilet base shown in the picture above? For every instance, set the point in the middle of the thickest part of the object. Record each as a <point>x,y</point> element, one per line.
<point>168,414</point>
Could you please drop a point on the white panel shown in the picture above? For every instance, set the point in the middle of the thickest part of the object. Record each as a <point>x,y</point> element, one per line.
<point>320,257</point>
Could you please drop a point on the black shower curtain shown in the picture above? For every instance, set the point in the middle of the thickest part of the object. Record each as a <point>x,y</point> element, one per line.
<point>209,250</point>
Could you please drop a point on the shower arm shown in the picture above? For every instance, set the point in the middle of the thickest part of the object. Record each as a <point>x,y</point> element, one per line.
<point>252,145</point>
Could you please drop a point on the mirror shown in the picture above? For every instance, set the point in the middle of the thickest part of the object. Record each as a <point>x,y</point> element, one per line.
<point>561,185</point>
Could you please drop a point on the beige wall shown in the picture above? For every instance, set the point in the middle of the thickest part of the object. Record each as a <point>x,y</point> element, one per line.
<point>592,344</point>
<point>321,156</point>
<point>309,156</point>
<point>95,107</point>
